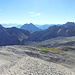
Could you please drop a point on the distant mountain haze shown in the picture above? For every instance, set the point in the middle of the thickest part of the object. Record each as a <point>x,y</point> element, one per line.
<point>45,26</point>
<point>11,25</point>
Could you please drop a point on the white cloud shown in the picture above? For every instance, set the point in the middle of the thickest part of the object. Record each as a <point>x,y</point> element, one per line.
<point>31,12</point>
<point>35,14</point>
<point>38,14</point>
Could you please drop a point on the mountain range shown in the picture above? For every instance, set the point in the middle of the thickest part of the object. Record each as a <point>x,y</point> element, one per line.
<point>16,36</point>
<point>66,30</point>
<point>12,36</point>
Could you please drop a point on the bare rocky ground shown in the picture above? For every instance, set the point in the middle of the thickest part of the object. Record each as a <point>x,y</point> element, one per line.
<point>28,60</point>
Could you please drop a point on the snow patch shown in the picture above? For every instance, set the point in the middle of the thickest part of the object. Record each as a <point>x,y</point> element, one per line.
<point>66,31</point>
<point>58,31</point>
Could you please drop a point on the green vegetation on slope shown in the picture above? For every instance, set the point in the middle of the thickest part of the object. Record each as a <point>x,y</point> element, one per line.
<point>45,49</point>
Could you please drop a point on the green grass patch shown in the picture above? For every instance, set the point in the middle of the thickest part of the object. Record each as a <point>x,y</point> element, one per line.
<point>45,49</point>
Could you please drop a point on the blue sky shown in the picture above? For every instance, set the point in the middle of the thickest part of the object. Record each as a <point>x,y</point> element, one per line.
<point>37,11</point>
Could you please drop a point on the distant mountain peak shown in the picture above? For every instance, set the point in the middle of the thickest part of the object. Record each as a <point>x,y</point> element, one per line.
<point>30,27</point>
<point>70,23</point>
<point>31,23</point>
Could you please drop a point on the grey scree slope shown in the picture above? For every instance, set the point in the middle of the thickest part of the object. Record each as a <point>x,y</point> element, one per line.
<point>33,66</point>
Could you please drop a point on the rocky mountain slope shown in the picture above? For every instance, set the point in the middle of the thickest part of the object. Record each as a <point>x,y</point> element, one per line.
<point>12,36</point>
<point>52,32</point>
<point>28,60</point>
<point>54,42</point>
